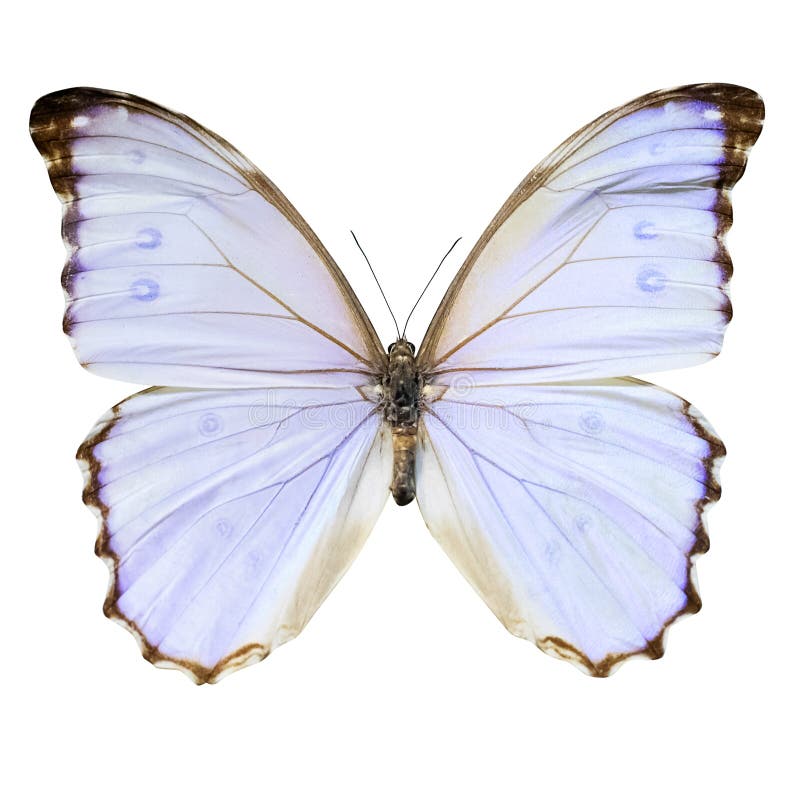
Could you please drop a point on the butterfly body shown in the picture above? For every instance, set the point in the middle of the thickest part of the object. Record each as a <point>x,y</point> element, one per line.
<point>401,398</point>
<point>236,492</point>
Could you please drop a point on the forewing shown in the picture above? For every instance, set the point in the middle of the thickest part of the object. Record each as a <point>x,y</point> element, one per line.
<point>574,509</point>
<point>609,258</point>
<point>228,516</point>
<point>186,266</point>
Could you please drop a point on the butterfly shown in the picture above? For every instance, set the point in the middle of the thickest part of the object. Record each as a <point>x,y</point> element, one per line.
<point>235,493</point>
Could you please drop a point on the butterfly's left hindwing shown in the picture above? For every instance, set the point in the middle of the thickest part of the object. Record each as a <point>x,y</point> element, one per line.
<point>228,516</point>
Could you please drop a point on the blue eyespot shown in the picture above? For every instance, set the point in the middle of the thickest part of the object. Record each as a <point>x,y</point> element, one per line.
<point>148,238</point>
<point>592,422</point>
<point>145,289</point>
<point>641,230</point>
<point>210,424</point>
<point>651,280</point>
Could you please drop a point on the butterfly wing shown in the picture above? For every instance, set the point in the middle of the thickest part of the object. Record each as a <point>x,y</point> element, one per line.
<point>229,508</point>
<point>227,516</point>
<point>574,509</point>
<point>186,265</point>
<point>573,500</point>
<point>609,257</point>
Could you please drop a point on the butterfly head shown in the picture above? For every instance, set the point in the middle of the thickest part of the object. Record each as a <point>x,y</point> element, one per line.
<point>401,348</point>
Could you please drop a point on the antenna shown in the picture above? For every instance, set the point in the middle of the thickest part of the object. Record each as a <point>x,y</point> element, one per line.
<point>429,283</point>
<point>394,319</point>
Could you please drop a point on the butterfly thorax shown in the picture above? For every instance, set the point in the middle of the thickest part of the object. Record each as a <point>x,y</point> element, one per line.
<point>401,387</point>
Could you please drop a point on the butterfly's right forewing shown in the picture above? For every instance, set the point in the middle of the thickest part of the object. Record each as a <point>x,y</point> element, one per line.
<point>609,258</point>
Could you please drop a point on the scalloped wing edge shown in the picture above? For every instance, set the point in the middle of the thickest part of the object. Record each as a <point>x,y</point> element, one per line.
<point>656,647</point>
<point>90,469</point>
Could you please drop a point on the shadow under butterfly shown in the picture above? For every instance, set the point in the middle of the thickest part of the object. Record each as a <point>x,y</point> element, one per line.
<point>235,493</point>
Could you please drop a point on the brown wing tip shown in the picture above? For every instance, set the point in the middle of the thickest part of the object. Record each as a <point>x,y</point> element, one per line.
<point>91,467</point>
<point>724,92</point>
<point>741,104</point>
<point>69,101</point>
<point>52,116</point>
<point>50,123</point>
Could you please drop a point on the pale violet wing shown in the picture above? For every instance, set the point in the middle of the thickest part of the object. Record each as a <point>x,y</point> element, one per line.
<point>186,265</point>
<point>609,258</point>
<point>574,509</point>
<point>228,512</point>
<point>227,516</point>
<point>573,499</point>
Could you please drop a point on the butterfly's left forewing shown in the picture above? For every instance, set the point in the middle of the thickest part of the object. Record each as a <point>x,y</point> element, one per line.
<point>186,265</point>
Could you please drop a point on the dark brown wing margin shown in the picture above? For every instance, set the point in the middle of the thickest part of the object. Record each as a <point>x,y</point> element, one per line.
<point>655,648</point>
<point>90,467</point>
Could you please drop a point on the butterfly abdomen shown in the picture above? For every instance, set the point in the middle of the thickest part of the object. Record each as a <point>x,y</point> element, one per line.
<point>401,412</point>
<point>404,485</point>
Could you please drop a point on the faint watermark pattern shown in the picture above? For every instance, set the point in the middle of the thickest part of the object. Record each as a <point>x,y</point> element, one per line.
<point>461,404</point>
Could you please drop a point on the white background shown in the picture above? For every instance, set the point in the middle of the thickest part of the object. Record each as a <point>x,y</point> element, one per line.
<point>409,123</point>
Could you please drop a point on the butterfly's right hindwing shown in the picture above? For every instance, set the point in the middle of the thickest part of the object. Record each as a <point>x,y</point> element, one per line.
<point>575,510</point>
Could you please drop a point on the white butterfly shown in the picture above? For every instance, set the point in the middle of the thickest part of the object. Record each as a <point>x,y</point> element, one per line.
<point>572,499</point>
